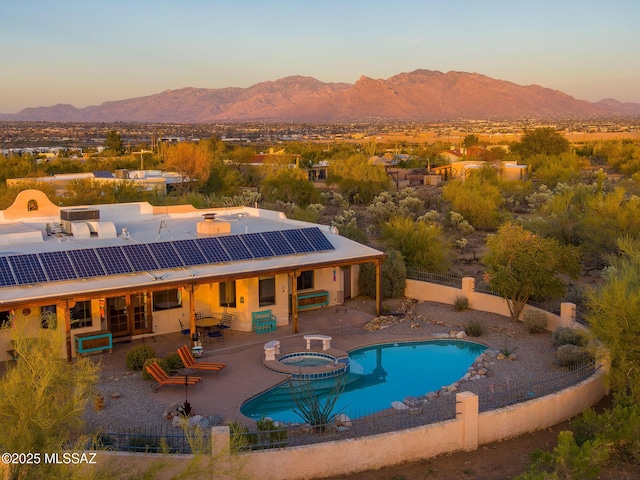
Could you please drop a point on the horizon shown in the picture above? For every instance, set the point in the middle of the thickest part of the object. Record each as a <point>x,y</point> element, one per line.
<point>118,51</point>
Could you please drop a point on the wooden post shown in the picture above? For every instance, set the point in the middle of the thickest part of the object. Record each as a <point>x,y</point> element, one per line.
<point>192,313</point>
<point>378,287</point>
<point>294,300</point>
<point>64,306</point>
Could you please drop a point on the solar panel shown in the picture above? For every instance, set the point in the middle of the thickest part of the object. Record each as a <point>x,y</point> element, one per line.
<point>317,239</point>
<point>140,257</point>
<point>113,260</point>
<point>6,276</point>
<point>298,241</point>
<point>27,269</point>
<point>189,252</point>
<point>57,266</point>
<point>277,243</point>
<point>213,251</point>
<point>256,245</point>
<point>165,255</point>
<point>235,248</point>
<point>86,263</point>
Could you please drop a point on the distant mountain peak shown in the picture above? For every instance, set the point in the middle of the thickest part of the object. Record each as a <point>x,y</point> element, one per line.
<point>420,95</point>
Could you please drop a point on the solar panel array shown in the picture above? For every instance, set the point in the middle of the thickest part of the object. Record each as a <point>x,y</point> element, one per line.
<point>28,269</point>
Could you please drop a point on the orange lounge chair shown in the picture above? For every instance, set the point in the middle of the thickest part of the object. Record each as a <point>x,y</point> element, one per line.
<point>160,376</point>
<point>190,362</point>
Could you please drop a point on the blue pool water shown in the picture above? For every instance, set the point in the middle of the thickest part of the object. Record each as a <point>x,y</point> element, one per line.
<point>378,376</point>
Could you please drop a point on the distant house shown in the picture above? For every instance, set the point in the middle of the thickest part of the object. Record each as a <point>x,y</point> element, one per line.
<point>157,180</point>
<point>274,157</point>
<point>388,160</point>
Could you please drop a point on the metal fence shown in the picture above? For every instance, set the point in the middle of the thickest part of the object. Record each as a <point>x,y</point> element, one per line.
<point>425,276</point>
<point>511,391</point>
<point>166,439</point>
<point>159,438</point>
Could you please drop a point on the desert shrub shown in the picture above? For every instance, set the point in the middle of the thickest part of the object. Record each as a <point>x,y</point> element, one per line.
<point>461,303</point>
<point>173,361</point>
<point>569,336</point>
<point>506,348</point>
<point>567,460</point>
<point>618,427</point>
<point>393,276</point>
<point>535,321</point>
<point>474,328</point>
<point>269,435</point>
<point>137,356</point>
<point>556,333</point>
<point>568,355</point>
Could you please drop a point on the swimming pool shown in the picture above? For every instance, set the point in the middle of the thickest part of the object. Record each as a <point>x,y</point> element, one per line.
<point>379,375</point>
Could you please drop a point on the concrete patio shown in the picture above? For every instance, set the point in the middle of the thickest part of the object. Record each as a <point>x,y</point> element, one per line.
<point>245,375</point>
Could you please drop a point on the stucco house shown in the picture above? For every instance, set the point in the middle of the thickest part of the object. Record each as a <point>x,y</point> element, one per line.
<point>133,269</point>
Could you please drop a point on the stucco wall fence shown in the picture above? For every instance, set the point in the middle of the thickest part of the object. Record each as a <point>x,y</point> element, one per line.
<point>466,432</point>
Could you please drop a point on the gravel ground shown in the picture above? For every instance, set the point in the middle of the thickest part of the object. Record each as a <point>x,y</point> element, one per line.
<point>535,356</point>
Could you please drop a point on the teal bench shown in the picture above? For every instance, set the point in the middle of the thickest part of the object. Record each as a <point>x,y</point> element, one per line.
<point>313,299</point>
<point>92,342</point>
<point>263,321</point>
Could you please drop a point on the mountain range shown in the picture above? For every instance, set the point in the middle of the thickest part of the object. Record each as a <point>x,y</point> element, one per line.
<point>421,95</point>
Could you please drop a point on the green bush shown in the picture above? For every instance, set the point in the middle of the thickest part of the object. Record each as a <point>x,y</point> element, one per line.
<point>137,356</point>
<point>535,321</point>
<point>393,276</point>
<point>569,336</point>
<point>268,436</point>
<point>568,355</point>
<point>474,328</point>
<point>618,427</point>
<point>173,361</point>
<point>461,303</point>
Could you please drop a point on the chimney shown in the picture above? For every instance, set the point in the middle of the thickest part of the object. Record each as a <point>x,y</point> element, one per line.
<point>211,226</point>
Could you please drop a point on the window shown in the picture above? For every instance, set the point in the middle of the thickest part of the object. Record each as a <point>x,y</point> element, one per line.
<point>167,299</point>
<point>305,280</point>
<point>48,316</point>
<point>267,291</point>
<point>81,314</point>
<point>5,319</point>
<point>228,294</point>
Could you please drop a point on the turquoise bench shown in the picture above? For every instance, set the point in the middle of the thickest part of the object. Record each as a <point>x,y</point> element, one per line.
<point>92,342</point>
<point>263,321</point>
<point>313,299</point>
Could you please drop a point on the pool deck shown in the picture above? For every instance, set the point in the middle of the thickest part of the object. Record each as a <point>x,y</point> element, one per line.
<point>245,374</point>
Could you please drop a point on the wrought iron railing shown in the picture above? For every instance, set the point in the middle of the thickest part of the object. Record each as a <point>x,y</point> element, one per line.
<point>438,278</point>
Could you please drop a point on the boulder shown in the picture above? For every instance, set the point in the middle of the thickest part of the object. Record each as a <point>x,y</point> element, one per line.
<point>341,420</point>
<point>400,406</point>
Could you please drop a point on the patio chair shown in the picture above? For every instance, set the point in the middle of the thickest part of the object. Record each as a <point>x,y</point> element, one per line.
<point>225,320</point>
<point>160,376</point>
<point>183,330</point>
<point>217,331</point>
<point>190,362</point>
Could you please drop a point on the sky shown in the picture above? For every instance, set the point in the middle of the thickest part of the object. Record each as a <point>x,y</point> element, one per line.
<point>88,52</point>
